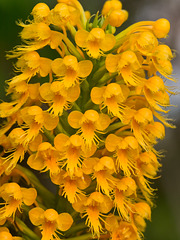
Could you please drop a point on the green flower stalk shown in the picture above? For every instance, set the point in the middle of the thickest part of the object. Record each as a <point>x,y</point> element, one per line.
<point>88,117</point>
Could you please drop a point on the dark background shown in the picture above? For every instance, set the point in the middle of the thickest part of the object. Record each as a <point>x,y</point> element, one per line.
<point>165,223</point>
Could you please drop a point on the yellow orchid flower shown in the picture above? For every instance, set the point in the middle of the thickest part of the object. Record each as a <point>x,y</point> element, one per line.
<point>50,222</point>
<point>14,196</point>
<point>70,71</point>
<point>95,42</point>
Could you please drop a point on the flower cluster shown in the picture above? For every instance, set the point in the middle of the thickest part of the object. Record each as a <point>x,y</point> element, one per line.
<point>87,108</point>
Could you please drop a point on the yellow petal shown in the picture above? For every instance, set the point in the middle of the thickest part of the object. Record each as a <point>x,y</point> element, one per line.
<point>50,121</point>
<point>32,59</point>
<point>4,229</point>
<point>58,67</point>
<point>58,178</point>
<point>93,220</point>
<point>29,195</point>
<point>95,196</point>
<point>161,28</point>
<point>103,122</point>
<point>111,223</point>
<point>93,49</point>
<point>74,119</point>
<point>60,141</point>
<point>64,221</point>
<point>113,89</point>
<point>79,206</point>
<point>143,115</point>
<point>143,209</point>
<point>81,37</point>
<point>162,98</point>
<point>35,163</point>
<point>51,215</point>
<point>107,162</point>
<point>157,129</point>
<point>96,33</point>
<point>88,165</point>
<point>91,115</point>
<point>55,39</point>
<point>4,235</point>
<point>46,92</point>
<point>123,144</point>
<point>155,84</point>
<point>70,61</point>
<point>125,93</point>
<point>123,162</point>
<point>132,142</point>
<point>127,185</point>
<point>70,190</point>
<point>84,182</point>
<point>45,66</point>
<point>109,5</point>
<point>43,31</point>
<point>11,189</point>
<point>108,42</point>
<point>118,17</point>
<point>57,87</point>
<point>25,116</point>
<point>44,146</point>
<point>73,93</point>
<point>37,113</point>
<point>33,146</point>
<point>85,68</point>
<point>88,151</point>
<point>40,11</point>
<point>36,216</point>
<point>106,205</point>
<point>97,95</point>
<point>34,90</point>
<point>76,140</point>
<point>111,63</point>
<point>111,142</point>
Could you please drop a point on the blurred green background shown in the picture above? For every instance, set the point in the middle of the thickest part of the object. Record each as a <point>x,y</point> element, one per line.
<point>165,223</point>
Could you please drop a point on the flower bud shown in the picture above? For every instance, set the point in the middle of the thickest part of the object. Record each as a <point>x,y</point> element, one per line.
<point>161,28</point>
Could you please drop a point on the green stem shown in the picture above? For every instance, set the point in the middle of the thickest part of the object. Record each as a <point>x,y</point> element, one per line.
<point>98,75</point>
<point>114,126</point>
<point>85,86</point>
<point>82,13</point>
<point>76,229</point>
<point>123,34</point>
<point>95,22</point>
<point>26,237</point>
<point>71,29</point>
<point>49,135</point>
<point>71,47</point>
<point>89,105</point>
<point>76,107</point>
<point>91,188</point>
<point>61,129</point>
<point>85,93</point>
<point>63,205</point>
<point>87,236</point>
<point>65,125</point>
<point>106,78</point>
<point>25,230</point>
<point>74,214</point>
<point>125,133</point>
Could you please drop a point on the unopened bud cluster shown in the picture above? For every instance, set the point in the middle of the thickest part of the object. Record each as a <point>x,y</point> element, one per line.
<point>87,108</point>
